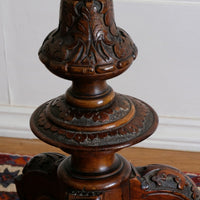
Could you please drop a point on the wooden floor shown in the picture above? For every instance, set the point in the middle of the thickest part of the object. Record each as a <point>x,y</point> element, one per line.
<point>185,161</point>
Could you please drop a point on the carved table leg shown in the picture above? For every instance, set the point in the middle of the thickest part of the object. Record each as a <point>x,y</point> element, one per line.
<point>39,180</point>
<point>154,182</point>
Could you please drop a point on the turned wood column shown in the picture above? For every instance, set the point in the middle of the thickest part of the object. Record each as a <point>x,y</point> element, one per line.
<point>92,122</point>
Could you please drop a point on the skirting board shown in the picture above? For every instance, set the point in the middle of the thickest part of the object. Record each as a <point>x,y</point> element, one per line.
<point>172,133</point>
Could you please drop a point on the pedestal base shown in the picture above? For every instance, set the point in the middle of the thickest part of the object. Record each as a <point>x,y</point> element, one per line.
<point>40,181</point>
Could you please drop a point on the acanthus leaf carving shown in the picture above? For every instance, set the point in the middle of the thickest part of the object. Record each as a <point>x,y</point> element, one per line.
<point>87,36</point>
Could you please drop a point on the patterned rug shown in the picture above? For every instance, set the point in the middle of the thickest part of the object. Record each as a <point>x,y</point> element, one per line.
<point>12,165</point>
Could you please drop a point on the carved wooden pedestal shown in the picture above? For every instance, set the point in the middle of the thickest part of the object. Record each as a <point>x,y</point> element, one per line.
<point>91,121</point>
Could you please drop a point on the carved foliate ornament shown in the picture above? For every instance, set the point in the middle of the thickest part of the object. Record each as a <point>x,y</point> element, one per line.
<point>87,42</point>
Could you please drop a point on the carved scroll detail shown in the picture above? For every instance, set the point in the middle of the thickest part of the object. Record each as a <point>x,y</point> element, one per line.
<point>39,179</point>
<point>161,180</point>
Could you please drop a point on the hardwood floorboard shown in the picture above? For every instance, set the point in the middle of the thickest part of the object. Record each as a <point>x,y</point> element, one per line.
<point>185,161</point>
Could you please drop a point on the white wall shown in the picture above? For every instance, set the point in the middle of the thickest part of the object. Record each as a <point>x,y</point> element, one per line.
<point>165,74</point>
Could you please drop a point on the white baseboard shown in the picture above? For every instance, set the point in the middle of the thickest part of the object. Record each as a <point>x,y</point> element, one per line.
<point>14,122</point>
<point>172,133</point>
<point>176,134</point>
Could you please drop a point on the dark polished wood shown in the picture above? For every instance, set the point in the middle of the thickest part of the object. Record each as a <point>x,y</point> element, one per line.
<point>91,121</point>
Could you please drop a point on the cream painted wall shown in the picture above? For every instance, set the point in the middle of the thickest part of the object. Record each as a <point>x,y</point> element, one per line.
<point>4,97</point>
<point>165,74</point>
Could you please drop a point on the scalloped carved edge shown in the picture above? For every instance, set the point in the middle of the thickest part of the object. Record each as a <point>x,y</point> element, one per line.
<point>142,125</point>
